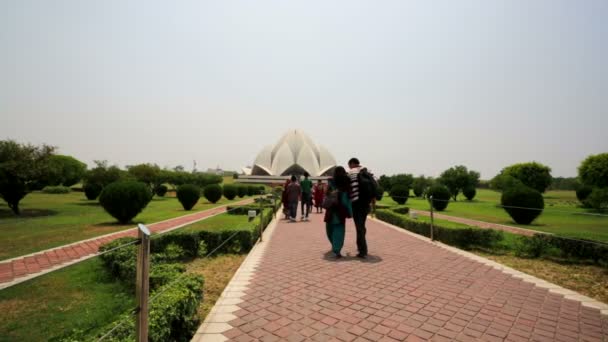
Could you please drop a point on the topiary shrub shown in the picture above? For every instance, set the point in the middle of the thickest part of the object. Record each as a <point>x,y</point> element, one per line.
<point>418,189</point>
<point>400,193</point>
<point>582,192</point>
<point>161,190</point>
<point>522,203</point>
<point>230,191</point>
<point>441,197</point>
<point>469,193</point>
<point>213,193</point>
<point>252,190</point>
<point>188,195</point>
<point>379,193</point>
<point>598,199</point>
<point>92,190</point>
<point>125,199</point>
<point>56,189</point>
<point>242,190</point>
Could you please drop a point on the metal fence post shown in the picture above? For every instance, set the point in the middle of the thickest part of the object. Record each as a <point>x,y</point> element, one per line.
<point>261,219</point>
<point>432,221</point>
<point>142,284</point>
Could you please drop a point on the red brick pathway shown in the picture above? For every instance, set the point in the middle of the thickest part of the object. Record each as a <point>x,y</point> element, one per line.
<point>39,263</point>
<point>408,290</point>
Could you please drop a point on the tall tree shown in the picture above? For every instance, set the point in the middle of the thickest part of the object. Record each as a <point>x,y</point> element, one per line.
<point>64,170</point>
<point>534,175</point>
<point>458,178</point>
<point>149,174</point>
<point>593,171</point>
<point>21,166</point>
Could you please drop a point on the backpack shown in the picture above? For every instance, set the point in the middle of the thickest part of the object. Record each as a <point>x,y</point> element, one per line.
<point>368,187</point>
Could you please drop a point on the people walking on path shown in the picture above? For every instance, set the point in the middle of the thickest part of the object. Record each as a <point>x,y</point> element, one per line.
<point>363,192</point>
<point>306,185</point>
<point>319,194</point>
<point>293,191</point>
<point>284,200</point>
<point>338,210</point>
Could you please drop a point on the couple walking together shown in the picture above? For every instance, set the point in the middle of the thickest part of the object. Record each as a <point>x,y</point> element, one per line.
<point>349,195</point>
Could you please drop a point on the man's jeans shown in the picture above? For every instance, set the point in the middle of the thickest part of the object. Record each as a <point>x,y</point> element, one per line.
<point>360,212</point>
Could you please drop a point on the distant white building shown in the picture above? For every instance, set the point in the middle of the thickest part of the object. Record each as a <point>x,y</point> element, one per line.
<point>294,154</point>
<point>217,171</point>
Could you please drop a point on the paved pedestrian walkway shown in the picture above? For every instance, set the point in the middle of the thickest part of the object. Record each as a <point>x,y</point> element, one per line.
<point>17,270</point>
<point>409,289</point>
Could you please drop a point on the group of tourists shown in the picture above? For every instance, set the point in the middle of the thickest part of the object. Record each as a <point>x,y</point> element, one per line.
<point>348,194</point>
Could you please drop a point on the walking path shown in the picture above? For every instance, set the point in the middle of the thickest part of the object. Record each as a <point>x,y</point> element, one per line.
<point>409,289</point>
<point>17,270</point>
<point>482,224</point>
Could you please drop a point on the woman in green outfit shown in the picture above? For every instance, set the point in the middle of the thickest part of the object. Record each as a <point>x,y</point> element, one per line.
<point>339,209</point>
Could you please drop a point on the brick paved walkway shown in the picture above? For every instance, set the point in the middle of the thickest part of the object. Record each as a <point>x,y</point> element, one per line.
<point>409,289</point>
<point>16,270</point>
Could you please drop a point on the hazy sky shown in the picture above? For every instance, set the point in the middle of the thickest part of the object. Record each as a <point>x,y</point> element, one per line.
<point>407,86</point>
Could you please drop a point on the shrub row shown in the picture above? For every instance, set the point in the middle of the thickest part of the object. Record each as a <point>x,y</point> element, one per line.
<point>172,315</point>
<point>401,210</point>
<point>461,237</point>
<point>547,245</point>
<point>58,189</point>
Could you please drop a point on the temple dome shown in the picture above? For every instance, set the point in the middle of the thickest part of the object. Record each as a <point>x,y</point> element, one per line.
<point>295,153</point>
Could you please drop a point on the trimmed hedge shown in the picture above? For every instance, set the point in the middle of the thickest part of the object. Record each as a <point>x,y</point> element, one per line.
<point>213,193</point>
<point>161,190</point>
<point>172,315</point>
<point>441,197</point>
<point>400,193</point>
<point>125,199</point>
<point>188,195</point>
<point>241,190</point>
<point>522,203</point>
<point>461,237</point>
<point>569,248</point>
<point>59,189</point>
<point>401,210</point>
<point>469,193</point>
<point>92,190</point>
<point>230,191</point>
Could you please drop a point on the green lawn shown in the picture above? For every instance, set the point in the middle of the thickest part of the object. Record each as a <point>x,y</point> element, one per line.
<point>561,214</point>
<point>54,220</point>
<point>79,297</point>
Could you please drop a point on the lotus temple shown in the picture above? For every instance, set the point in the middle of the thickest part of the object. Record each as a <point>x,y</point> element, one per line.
<point>294,154</point>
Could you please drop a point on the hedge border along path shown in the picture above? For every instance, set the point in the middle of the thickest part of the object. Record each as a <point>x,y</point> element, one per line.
<point>408,289</point>
<point>17,270</point>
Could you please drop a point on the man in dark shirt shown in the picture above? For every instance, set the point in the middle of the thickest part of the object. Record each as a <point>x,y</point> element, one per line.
<point>306,185</point>
<point>360,207</point>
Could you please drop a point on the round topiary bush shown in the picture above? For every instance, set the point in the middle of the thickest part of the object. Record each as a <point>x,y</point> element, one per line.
<point>242,190</point>
<point>213,193</point>
<point>125,199</point>
<point>441,197</point>
<point>400,193</point>
<point>582,192</point>
<point>229,191</point>
<point>523,204</point>
<point>161,190</point>
<point>598,199</point>
<point>379,193</point>
<point>418,189</point>
<point>188,195</point>
<point>92,190</point>
<point>469,192</point>
<point>252,190</point>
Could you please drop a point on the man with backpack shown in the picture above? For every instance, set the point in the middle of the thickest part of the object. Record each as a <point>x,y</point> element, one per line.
<point>363,192</point>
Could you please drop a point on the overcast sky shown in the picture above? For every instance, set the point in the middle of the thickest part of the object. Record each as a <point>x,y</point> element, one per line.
<point>407,86</point>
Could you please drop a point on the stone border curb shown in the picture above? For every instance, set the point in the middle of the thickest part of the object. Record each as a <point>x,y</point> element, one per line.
<point>216,322</point>
<point>568,294</point>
